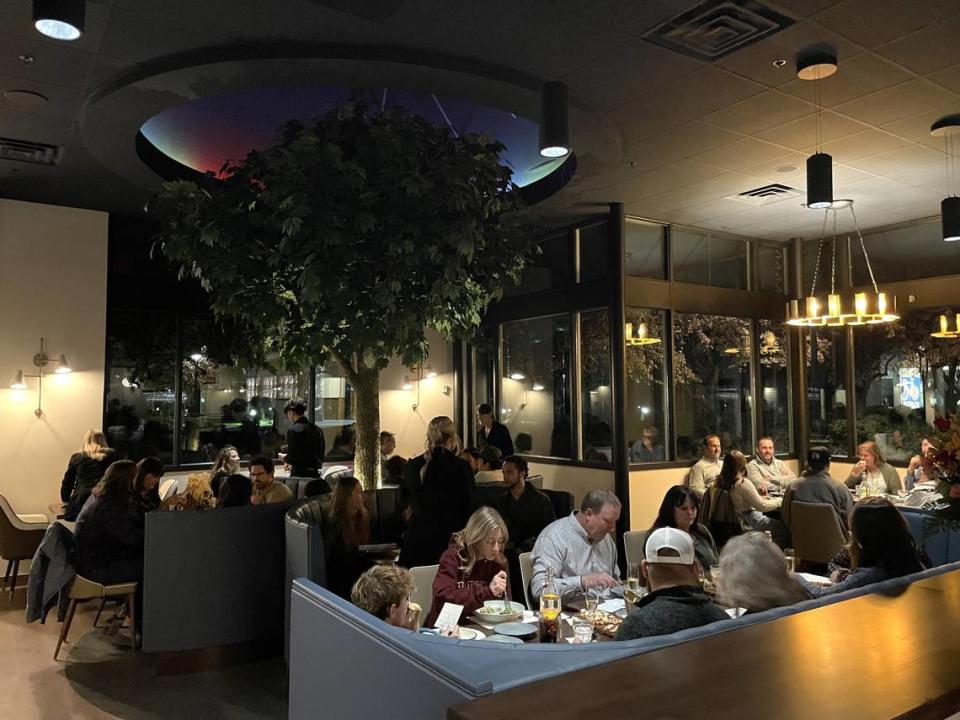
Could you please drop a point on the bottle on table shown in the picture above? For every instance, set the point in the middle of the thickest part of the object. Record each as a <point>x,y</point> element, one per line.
<point>549,609</point>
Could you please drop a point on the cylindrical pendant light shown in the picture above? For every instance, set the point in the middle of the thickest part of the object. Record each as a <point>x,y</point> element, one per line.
<point>819,181</point>
<point>554,119</point>
<point>948,127</point>
<point>59,19</point>
<point>950,218</point>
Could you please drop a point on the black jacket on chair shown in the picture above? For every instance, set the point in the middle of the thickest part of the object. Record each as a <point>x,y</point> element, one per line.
<point>50,572</point>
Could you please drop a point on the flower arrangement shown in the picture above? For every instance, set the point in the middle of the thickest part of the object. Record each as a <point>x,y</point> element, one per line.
<point>942,459</point>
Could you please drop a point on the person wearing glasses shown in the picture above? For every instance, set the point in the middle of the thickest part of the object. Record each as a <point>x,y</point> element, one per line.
<point>473,569</point>
<point>265,488</point>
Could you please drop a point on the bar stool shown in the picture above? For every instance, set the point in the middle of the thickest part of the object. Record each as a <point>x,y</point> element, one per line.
<point>82,590</point>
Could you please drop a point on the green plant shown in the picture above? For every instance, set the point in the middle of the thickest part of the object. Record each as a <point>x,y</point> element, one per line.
<point>347,238</point>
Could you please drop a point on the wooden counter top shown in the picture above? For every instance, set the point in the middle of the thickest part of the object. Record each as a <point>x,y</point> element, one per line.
<point>872,657</point>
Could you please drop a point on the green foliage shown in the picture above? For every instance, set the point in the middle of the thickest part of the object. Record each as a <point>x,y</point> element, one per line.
<point>349,236</point>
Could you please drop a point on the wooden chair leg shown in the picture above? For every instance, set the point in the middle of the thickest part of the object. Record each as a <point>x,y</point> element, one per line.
<point>66,627</point>
<point>6,577</point>
<point>132,605</point>
<point>13,579</point>
<point>96,620</point>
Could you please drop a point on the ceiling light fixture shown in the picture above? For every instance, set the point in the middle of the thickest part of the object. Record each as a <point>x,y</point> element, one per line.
<point>537,387</point>
<point>641,337</point>
<point>59,19</point>
<point>554,119</point>
<point>517,376</point>
<point>948,128</point>
<point>816,66</point>
<point>868,309</point>
<point>945,332</point>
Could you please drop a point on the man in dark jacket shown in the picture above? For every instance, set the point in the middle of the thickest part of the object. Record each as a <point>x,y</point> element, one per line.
<point>816,486</point>
<point>676,601</point>
<point>305,444</point>
<point>491,432</point>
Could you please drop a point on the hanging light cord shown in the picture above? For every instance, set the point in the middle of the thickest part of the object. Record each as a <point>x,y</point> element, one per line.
<point>863,246</point>
<point>816,99</point>
<point>816,268</point>
<point>833,257</point>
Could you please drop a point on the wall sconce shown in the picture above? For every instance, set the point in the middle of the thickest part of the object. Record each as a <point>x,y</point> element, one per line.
<point>417,374</point>
<point>40,360</point>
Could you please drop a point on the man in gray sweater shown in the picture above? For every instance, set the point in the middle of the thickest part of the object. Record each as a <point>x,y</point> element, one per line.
<point>676,601</point>
<point>816,486</point>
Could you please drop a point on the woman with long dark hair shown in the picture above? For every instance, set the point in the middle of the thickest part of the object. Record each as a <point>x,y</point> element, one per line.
<point>235,491</point>
<point>681,509</point>
<point>750,505</point>
<point>880,547</point>
<point>348,528</point>
<point>146,484</point>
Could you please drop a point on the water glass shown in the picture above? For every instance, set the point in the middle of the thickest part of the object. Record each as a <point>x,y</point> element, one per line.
<point>582,631</point>
<point>590,601</point>
<point>791,559</point>
<point>633,576</point>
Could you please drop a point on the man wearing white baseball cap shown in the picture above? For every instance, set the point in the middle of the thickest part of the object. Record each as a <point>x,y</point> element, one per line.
<point>676,601</point>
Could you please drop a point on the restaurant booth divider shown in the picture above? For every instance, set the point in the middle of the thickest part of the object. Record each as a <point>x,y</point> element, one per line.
<point>338,652</point>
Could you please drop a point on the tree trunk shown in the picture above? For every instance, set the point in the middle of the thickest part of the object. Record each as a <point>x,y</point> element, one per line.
<point>366,389</point>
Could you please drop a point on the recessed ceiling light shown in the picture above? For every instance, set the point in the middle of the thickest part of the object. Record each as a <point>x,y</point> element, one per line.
<point>779,63</point>
<point>26,59</point>
<point>25,99</point>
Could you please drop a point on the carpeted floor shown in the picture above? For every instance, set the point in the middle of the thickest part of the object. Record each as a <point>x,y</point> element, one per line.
<point>98,677</point>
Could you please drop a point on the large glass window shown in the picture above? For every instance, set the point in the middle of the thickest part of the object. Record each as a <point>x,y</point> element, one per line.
<point>535,387</point>
<point>712,379</point>
<point>552,268</point>
<point>333,410</point>
<point>644,252</point>
<point>905,253</point>
<point>646,397</point>
<point>596,400</point>
<point>771,268</point>
<point>140,407</point>
<point>707,259</point>
<point>826,353</point>
<point>775,385</point>
<point>594,241</point>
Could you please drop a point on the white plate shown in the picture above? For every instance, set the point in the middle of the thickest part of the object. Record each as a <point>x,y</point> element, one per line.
<point>470,634</point>
<point>611,606</point>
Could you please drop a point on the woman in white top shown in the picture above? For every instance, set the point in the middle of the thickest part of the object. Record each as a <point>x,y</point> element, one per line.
<point>747,500</point>
<point>879,476</point>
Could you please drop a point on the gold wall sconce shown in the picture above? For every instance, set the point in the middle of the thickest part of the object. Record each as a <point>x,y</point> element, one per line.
<point>41,360</point>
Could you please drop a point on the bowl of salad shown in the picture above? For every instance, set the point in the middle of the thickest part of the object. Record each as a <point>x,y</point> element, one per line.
<point>496,611</point>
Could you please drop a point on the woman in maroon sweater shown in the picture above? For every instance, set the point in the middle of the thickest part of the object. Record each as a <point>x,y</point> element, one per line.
<point>473,568</point>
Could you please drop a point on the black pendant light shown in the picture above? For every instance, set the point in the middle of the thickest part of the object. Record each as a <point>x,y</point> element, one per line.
<point>554,119</point>
<point>59,19</point>
<point>949,129</point>
<point>815,65</point>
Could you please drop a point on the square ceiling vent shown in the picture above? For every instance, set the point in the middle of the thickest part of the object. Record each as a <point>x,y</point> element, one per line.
<point>29,152</point>
<point>774,192</point>
<point>716,28</point>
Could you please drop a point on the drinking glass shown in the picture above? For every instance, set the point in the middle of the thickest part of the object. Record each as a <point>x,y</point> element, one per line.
<point>791,558</point>
<point>590,601</point>
<point>582,631</point>
<point>633,576</point>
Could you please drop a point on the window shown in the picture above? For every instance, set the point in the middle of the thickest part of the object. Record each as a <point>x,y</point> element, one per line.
<point>594,241</point>
<point>140,408</point>
<point>644,256</point>
<point>484,346</point>
<point>775,385</point>
<point>535,387</point>
<point>333,409</point>
<point>711,374</point>
<point>596,400</point>
<point>771,268</point>
<point>905,253</point>
<point>706,259</point>
<point>646,399</point>
<point>826,354</point>
<point>553,268</point>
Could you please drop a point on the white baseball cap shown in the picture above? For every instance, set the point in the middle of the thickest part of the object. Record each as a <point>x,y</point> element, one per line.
<point>678,544</point>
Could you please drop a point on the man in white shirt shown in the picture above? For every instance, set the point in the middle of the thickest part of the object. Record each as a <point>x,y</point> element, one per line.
<point>704,472</point>
<point>579,548</point>
<point>765,469</point>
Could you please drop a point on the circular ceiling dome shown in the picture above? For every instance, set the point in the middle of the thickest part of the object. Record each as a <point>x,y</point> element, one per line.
<point>205,133</point>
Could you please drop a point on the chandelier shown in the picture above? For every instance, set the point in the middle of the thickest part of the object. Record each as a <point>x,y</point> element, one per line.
<point>641,337</point>
<point>839,309</point>
<point>945,331</point>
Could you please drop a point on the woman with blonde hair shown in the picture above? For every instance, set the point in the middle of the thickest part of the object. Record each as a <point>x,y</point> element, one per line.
<point>872,469</point>
<point>754,575</point>
<point>438,492</point>
<point>226,464</point>
<point>473,569</point>
<point>196,496</point>
<point>84,471</point>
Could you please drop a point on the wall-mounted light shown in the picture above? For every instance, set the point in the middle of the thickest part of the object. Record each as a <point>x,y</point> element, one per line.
<point>59,19</point>
<point>40,361</point>
<point>537,387</point>
<point>418,373</point>
<point>407,384</point>
<point>517,376</point>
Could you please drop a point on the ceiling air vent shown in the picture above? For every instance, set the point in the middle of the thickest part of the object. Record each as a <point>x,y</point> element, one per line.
<point>774,192</point>
<point>716,28</point>
<point>31,152</point>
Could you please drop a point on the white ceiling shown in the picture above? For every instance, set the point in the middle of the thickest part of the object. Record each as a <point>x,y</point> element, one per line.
<point>691,133</point>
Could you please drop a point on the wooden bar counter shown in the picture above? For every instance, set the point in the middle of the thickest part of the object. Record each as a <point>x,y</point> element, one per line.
<point>872,657</point>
